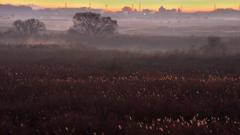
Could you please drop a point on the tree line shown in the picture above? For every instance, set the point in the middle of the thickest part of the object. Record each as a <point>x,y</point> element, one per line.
<point>87,23</point>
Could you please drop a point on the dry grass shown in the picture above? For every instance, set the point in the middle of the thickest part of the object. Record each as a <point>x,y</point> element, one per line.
<point>54,91</point>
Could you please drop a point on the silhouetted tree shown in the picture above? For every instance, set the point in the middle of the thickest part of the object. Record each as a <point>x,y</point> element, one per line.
<point>30,26</point>
<point>93,24</point>
<point>127,9</point>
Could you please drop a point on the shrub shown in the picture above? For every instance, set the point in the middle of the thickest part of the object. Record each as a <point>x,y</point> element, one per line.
<point>30,26</point>
<point>214,47</point>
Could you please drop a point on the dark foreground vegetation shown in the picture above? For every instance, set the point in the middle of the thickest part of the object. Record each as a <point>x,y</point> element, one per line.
<point>55,91</point>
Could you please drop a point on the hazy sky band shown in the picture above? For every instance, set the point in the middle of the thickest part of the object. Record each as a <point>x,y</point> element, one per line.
<point>188,5</point>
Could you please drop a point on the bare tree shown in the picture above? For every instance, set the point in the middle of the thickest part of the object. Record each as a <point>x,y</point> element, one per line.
<point>30,26</point>
<point>91,24</point>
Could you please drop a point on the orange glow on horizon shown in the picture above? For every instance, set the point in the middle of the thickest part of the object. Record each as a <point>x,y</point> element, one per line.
<point>114,7</point>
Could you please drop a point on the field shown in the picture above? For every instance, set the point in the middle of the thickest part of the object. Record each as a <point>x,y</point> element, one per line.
<point>159,74</point>
<point>72,91</point>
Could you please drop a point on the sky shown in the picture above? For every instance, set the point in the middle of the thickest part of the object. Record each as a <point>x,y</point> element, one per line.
<point>187,5</point>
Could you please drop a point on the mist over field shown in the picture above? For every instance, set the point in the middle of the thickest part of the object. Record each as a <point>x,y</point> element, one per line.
<point>145,32</point>
<point>150,24</point>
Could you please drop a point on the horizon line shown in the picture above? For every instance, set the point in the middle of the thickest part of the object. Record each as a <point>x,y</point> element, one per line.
<point>183,10</point>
